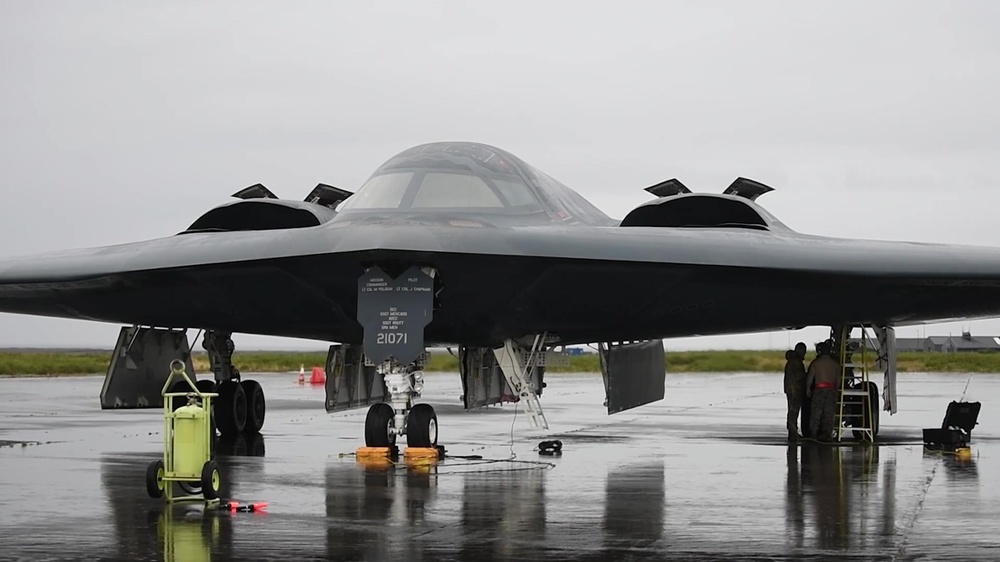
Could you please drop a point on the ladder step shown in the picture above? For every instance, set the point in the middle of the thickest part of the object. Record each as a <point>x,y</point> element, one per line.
<point>854,392</point>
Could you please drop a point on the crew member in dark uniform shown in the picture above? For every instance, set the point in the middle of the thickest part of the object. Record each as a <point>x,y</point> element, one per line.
<point>795,386</point>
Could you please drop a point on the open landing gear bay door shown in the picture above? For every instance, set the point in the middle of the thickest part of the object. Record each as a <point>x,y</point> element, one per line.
<point>350,383</point>
<point>887,361</point>
<point>140,365</point>
<point>633,373</point>
<point>483,381</point>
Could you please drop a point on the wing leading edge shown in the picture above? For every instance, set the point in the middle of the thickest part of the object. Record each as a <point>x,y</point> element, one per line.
<point>638,282</point>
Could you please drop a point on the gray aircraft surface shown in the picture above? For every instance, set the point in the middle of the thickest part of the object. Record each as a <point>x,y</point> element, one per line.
<point>465,245</point>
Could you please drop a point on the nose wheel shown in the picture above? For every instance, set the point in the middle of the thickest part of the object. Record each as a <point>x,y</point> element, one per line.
<point>379,427</point>
<point>420,426</point>
<point>400,416</point>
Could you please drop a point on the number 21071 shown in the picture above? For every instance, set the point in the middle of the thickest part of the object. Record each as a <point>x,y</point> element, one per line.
<point>390,338</point>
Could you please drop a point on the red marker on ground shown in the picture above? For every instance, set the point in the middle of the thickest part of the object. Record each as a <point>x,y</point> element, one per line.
<point>248,508</point>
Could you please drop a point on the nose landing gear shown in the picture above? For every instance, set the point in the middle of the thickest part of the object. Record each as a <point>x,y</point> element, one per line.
<point>387,421</point>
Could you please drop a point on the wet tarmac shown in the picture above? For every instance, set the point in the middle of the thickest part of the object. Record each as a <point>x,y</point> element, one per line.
<point>703,475</point>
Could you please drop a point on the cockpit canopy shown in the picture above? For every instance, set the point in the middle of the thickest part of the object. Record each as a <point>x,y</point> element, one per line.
<point>429,189</point>
<point>472,177</point>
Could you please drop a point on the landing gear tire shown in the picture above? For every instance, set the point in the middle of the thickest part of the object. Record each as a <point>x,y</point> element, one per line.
<point>208,386</point>
<point>183,387</point>
<point>421,426</point>
<point>231,409</point>
<point>256,407</point>
<point>869,415</point>
<point>377,424</point>
<point>211,480</point>
<point>155,484</point>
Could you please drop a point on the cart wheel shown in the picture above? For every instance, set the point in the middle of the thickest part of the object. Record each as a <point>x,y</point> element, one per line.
<point>190,488</point>
<point>154,479</point>
<point>211,480</point>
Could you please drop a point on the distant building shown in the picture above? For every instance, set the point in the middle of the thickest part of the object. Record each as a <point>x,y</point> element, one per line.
<point>937,343</point>
<point>911,344</point>
<point>968,343</point>
<point>950,344</point>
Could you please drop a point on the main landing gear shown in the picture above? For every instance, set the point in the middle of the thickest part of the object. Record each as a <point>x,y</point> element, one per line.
<point>240,407</point>
<point>138,372</point>
<point>386,421</point>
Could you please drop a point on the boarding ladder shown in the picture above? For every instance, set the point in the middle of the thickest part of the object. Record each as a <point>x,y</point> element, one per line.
<point>516,366</point>
<point>854,404</point>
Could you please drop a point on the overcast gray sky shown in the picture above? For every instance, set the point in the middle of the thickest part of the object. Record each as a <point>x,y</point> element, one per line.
<point>122,121</point>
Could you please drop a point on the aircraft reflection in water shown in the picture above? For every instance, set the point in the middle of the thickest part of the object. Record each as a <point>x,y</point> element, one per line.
<point>179,532</point>
<point>834,499</point>
<point>842,498</point>
<point>634,508</point>
<point>501,513</point>
<point>454,511</point>
<point>241,445</point>
<point>365,507</point>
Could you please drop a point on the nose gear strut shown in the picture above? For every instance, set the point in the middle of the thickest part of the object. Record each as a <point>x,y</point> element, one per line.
<point>387,421</point>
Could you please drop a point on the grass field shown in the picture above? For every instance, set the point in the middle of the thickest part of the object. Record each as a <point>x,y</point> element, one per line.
<point>88,362</point>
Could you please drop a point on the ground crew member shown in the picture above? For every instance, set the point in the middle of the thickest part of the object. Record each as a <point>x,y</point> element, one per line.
<point>821,385</point>
<point>795,386</point>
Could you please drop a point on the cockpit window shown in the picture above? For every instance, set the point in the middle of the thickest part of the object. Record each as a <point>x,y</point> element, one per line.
<point>426,189</point>
<point>516,193</point>
<point>380,192</point>
<point>439,190</point>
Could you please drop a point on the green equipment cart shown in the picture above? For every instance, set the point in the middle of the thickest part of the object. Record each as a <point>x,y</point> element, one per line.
<point>187,444</point>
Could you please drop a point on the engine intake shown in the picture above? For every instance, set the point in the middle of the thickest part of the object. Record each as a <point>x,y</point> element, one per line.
<point>262,214</point>
<point>698,210</point>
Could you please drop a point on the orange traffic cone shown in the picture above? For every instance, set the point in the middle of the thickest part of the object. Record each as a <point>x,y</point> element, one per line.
<point>318,376</point>
<point>302,374</point>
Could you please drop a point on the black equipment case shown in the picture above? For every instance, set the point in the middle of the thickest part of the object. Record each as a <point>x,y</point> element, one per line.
<point>956,429</point>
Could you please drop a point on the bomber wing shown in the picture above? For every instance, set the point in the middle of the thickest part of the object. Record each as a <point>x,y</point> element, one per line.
<point>581,283</point>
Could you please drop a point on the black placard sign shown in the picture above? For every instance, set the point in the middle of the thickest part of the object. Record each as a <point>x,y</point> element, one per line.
<point>394,312</point>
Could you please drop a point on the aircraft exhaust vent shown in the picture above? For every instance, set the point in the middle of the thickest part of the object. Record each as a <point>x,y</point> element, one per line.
<point>255,191</point>
<point>749,189</point>
<point>327,195</point>
<point>668,188</point>
<point>741,187</point>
